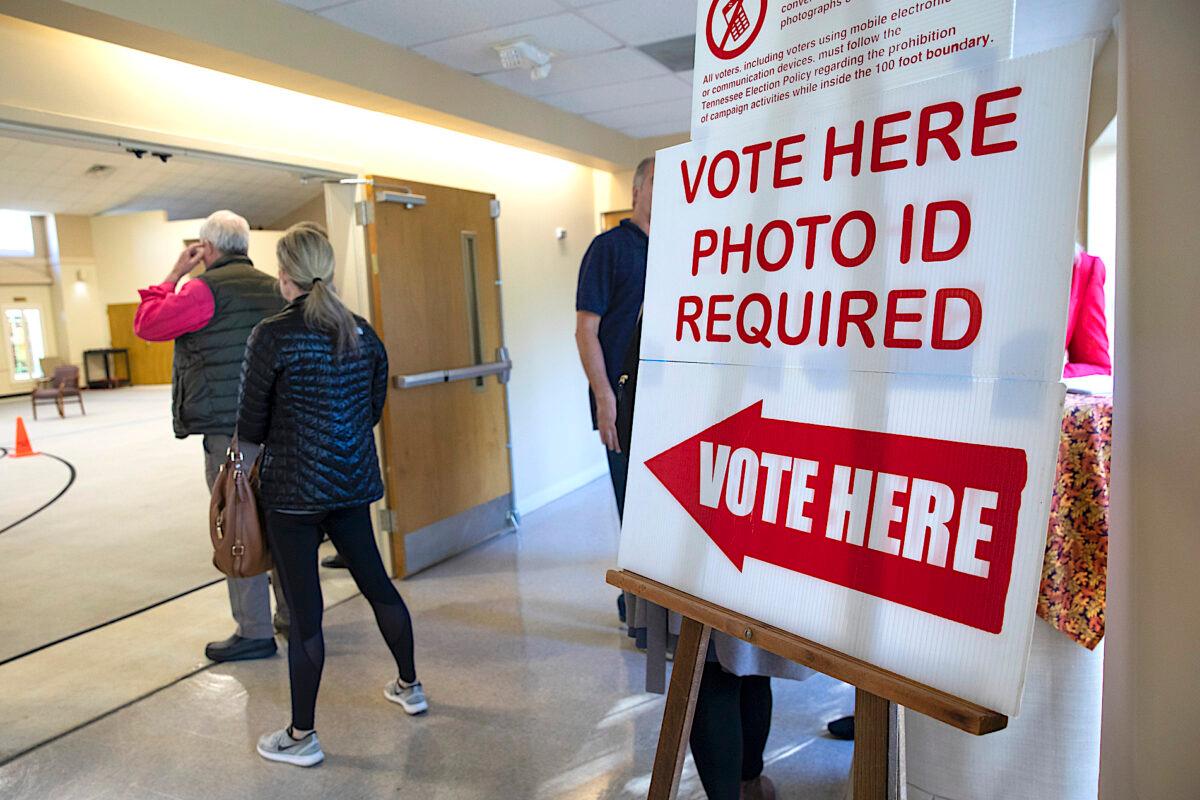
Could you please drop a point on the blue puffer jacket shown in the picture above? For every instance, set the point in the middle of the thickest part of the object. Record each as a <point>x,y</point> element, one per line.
<point>315,413</point>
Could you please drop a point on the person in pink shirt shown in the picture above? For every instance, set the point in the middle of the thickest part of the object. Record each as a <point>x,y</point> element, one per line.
<point>165,314</point>
<point>210,318</point>
<point>1087,331</point>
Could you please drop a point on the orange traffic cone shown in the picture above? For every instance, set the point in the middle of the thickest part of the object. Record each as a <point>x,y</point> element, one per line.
<point>23,447</point>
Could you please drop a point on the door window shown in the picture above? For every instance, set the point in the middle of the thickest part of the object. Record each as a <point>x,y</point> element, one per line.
<point>471,281</point>
<point>26,343</point>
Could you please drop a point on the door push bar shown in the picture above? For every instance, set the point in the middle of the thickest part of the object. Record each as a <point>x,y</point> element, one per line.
<point>501,368</point>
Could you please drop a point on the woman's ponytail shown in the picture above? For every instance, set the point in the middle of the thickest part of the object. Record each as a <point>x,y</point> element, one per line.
<point>305,254</point>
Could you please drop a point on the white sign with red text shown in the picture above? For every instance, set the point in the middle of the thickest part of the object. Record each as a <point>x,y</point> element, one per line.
<point>761,58</point>
<point>849,396</point>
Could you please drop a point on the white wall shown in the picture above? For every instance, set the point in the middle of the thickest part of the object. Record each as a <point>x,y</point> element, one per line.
<point>1149,739</point>
<point>89,85</point>
<point>1102,219</point>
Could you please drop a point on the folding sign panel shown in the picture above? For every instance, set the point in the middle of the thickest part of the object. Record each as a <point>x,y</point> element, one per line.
<point>758,58</point>
<point>849,400</point>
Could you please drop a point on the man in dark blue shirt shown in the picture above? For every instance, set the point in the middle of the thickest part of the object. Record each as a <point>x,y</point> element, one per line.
<point>612,284</point>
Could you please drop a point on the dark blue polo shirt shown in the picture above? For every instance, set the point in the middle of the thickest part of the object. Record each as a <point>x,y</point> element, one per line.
<point>612,283</point>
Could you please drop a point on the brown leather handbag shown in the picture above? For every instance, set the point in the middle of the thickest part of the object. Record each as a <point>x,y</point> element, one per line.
<point>235,522</point>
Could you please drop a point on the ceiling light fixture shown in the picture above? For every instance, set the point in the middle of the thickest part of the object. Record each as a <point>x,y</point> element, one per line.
<point>524,54</point>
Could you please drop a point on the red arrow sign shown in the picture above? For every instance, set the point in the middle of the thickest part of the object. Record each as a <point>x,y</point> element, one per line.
<point>927,523</point>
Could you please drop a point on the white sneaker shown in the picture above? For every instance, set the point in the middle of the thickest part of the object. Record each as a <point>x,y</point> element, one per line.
<point>410,698</point>
<point>280,746</point>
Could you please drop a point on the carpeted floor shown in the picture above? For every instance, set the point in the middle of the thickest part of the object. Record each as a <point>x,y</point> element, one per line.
<point>130,532</point>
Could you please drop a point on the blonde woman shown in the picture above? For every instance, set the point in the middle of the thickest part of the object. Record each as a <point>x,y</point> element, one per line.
<point>313,388</point>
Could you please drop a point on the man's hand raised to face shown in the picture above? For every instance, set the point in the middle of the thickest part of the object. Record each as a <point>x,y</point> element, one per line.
<point>191,257</point>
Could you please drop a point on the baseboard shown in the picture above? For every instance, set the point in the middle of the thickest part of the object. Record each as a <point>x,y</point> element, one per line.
<point>532,502</point>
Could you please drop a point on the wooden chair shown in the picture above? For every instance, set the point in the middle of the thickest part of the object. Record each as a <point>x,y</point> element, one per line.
<point>63,385</point>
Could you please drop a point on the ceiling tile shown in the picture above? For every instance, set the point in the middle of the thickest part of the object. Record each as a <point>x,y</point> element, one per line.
<point>411,22</point>
<point>631,22</point>
<point>677,55</point>
<point>675,111</point>
<point>657,129</point>
<point>49,177</point>
<point>613,66</point>
<point>619,95</point>
<point>567,35</point>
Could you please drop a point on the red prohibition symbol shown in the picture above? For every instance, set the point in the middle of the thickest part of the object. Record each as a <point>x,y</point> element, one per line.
<point>731,32</point>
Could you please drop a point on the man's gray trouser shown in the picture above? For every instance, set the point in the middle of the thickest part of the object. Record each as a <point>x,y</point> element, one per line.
<point>249,598</point>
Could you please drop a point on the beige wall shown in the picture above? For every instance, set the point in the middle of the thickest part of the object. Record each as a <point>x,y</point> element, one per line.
<point>133,251</point>
<point>1150,738</point>
<point>312,211</point>
<point>270,42</point>
<point>613,192</point>
<point>80,319</point>
<point>94,86</point>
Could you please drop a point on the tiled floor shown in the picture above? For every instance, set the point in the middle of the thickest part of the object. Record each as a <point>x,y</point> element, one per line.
<point>534,693</point>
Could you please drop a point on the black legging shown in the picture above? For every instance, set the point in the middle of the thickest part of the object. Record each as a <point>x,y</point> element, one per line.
<point>729,730</point>
<point>294,540</point>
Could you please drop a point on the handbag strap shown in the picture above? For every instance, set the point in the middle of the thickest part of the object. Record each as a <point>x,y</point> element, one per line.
<point>234,453</point>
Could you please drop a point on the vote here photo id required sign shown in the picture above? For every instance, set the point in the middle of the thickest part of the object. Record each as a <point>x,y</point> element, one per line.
<point>849,396</point>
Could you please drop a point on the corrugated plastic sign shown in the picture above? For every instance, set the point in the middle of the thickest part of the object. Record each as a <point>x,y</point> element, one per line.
<point>761,58</point>
<point>849,395</point>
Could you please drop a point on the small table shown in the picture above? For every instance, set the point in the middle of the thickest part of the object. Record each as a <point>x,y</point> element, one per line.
<point>107,360</point>
<point>1053,748</point>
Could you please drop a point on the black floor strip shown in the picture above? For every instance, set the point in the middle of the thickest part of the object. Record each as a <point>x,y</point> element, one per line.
<point>70,482</point>
<point>105,624</point>
<point>4,760</point>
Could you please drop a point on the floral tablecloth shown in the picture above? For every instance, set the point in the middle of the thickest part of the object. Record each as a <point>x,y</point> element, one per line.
<point>1075,570</point>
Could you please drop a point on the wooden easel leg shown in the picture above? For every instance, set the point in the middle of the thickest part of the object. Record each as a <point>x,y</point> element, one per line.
<point>878,772</point>
<point>681,704</point>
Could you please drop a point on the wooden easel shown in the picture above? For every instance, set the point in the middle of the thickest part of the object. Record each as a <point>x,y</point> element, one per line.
<point>874,775</point>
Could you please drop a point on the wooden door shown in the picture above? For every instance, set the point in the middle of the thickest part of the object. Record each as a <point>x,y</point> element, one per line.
<point>149,362</point>
<point>436,298</point>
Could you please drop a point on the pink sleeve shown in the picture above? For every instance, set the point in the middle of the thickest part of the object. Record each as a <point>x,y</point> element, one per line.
<point>1087,331</point>
<point>165,314</point>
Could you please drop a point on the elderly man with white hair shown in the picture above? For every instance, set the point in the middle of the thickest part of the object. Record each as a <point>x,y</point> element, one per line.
<point>210,318</point>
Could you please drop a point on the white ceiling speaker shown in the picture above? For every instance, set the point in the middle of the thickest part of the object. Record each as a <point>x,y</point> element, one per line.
<point>524,54</point>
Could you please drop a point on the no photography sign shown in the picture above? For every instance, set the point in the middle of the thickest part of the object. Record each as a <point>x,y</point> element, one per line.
<point>849,397</point>
<point>732,31</point>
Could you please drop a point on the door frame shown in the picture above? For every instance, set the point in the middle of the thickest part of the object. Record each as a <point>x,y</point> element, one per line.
<point>20,383</point>
<point>366,219</point>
